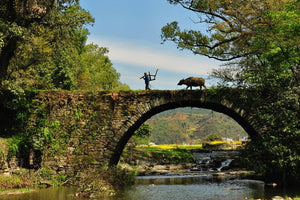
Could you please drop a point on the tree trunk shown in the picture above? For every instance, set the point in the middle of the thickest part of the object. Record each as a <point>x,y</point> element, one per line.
<point>284,181</point>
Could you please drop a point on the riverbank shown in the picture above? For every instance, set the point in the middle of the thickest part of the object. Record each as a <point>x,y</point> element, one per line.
<point>187,169</point>
<point>178,163</point>
<point>88,182</point>
<point>96,185</point>
<point>147,161</point>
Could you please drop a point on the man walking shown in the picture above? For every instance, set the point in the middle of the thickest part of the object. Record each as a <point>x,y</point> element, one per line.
<point>147,80</point>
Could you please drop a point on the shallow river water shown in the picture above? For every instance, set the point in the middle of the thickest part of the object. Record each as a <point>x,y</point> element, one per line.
<point>188,187</point>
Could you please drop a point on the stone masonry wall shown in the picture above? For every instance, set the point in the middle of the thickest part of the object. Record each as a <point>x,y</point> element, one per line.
<point>75,130</point>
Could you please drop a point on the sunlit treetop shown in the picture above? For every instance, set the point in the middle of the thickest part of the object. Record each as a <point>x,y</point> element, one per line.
<point>232,24</point>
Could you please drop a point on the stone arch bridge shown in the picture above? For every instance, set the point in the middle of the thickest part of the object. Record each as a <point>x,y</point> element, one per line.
<point>98,126</point>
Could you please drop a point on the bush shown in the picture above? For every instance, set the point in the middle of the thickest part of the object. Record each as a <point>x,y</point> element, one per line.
<point>213,137</point>
<point>104,182</point>
<point>13,182</point>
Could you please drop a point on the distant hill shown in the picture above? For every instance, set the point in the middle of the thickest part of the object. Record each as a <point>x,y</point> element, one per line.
<point>191,125</point>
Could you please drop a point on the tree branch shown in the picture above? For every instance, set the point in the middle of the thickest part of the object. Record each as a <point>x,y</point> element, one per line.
<point>210,13</point>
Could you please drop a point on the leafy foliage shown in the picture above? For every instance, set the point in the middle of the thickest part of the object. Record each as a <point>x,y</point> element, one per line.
<point>32,31</point>
<point>231,26</point>
<point>43,46</point>
<point>140,136</point>
<point>105,182</point>
<point>96,71</point>
<point>143,131</point>
<point>260,41</point>
<point>212,137</point>
<point>13,182</point>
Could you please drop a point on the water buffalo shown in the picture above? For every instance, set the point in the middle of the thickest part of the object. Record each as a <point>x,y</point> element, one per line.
<point>193,81</point>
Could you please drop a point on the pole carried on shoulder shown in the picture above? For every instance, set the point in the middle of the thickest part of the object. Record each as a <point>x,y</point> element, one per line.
<point>153,75</point>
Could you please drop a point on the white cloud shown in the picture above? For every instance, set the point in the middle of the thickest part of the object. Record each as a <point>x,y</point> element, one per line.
<point>138,55</point>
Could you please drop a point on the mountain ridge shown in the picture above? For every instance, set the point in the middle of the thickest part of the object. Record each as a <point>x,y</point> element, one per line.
<point>192,125</point>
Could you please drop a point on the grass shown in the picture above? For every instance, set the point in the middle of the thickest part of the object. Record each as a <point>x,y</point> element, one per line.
<point>172,154</point>
<point>13,182</point>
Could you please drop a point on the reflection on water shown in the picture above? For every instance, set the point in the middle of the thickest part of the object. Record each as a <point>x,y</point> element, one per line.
<point>44,194</point>
<point>194,188</point>
<point>172,187</point>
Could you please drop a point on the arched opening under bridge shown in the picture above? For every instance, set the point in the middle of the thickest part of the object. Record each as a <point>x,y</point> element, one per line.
<point>214,106</point>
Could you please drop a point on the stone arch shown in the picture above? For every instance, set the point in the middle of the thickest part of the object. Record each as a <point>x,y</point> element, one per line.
<point>237,114</point>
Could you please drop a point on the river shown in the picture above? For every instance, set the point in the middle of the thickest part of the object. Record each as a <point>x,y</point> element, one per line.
<point>178,187</point>
<point>198,184</point>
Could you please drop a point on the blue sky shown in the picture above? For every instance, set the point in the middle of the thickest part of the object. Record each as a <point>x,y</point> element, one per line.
<point>131,30</point>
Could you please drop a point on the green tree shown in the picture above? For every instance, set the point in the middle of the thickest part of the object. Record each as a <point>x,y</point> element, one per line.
<point>141,135</point>
<point>96,71</point>
<point>260,42</point>
<point>212,137</point>
<point>243,33</point>
<point>275,71</point>
<point>41,39</point>
<point>143,131</point>
<point>231,25</point>
<point>16,18</point>
<point>52,52</point>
